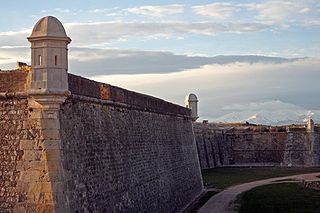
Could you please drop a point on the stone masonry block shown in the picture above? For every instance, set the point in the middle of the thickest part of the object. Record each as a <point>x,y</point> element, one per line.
<point>53,166</point>
<point>50,124</point>
<point>19,208</point>
<point>30,176</point>
<point>51,144</point>
<point>27,144</point>
<point>33,155</point>
<point>51,134</point>
<point>52,155</point>
<point>34,165</point>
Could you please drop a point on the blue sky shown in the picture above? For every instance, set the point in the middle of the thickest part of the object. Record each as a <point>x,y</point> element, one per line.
<point>143,45</point>
<point>277,28</point>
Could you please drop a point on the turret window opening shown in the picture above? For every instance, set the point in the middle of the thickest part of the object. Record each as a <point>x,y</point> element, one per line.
<point>55,60</point>
<point>39,60</point>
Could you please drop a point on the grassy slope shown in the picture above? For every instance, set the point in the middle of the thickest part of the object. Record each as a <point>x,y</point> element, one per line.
<point>280,198</point>
<point>224,177</point>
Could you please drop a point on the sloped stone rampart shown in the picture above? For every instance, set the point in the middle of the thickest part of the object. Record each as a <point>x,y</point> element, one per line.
<point>250,145</point>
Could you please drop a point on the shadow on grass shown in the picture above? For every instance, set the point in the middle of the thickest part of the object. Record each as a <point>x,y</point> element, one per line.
<point>280,198</point>
<point>222,178</point>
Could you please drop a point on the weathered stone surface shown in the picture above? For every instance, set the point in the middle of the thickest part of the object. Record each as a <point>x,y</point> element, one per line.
<point>85,87</point>
<point>13,81</point>
<point>227,145</point>
<point>30,165</point>
<point>13,113</point>
<point>124,160</point>
<point>119,156</point>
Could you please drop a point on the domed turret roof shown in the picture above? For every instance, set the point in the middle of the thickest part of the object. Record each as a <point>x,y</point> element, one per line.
<point>48,26</point>
<point>191,97</point>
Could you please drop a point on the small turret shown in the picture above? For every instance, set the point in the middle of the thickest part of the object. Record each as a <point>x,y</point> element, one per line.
<point>191,102</point>
<point>310,125</point>
<point>49,57</point>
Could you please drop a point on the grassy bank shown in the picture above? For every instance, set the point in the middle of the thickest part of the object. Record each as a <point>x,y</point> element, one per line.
<point>280,198</point>
<point>224,177</point>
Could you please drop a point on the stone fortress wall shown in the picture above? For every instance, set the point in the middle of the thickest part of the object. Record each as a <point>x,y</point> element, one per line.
<point>15,130</point>
<point>126,152</point>
<point>226,144</point>
<point>119,151</point>
<point>69,144</point>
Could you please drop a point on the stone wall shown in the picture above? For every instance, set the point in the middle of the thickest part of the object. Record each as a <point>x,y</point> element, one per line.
<point>106,149</point>
<point>25,151</point>
<point>13,81</point>
<point>15,131</point>
<point>85,87</point>
<point>236,144</point>
<point>121,156</point>
<point>13,113</point>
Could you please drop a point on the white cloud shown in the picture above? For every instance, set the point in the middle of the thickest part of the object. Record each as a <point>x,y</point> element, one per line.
<point>312,23</point>
<point>283,12</point>
<point>157,11</point>
<point>305,10</point>
<point>278,13</point>
<point>10,55</point>
<point>275,11</point>
<point>14,38</point>
<point>106,32</point>
<point>62,10</point>
<point>216,10</point>
<point>81,33</point>
<point>104,10</point>
<point>236,85</point>
<point>272,112</point>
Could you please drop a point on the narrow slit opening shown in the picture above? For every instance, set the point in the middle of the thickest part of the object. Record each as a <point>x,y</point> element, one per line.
<point>39,60</point>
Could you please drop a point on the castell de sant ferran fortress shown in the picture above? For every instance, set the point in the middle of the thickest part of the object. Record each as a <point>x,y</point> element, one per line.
<point>70,144</point>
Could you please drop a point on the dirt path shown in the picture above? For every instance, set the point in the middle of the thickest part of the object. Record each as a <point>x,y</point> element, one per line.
<point>223,201</point>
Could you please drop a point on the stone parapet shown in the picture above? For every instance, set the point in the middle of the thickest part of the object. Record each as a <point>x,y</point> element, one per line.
<point>85,87</point>
<point>14,81</point>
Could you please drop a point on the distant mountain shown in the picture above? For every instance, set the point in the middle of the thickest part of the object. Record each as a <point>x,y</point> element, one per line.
<point>270,113</point>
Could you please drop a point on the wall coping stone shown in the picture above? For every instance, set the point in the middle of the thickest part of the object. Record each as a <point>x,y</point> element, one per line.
<point>111,94</point>
<point>123,105</point>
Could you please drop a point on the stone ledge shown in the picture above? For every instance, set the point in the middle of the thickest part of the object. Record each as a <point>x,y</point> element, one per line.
<point>133,107</point>
<point>6,95</point>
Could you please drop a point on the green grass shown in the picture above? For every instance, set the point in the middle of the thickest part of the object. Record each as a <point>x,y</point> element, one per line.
<point>280,198</point>
<point>224,177</point>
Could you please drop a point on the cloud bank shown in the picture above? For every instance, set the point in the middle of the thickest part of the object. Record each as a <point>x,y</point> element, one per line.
<point>272,112</point>
<point>216,10</point>
<point>92,61</point>
<point>106,32</point>
<point>236,84</point>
